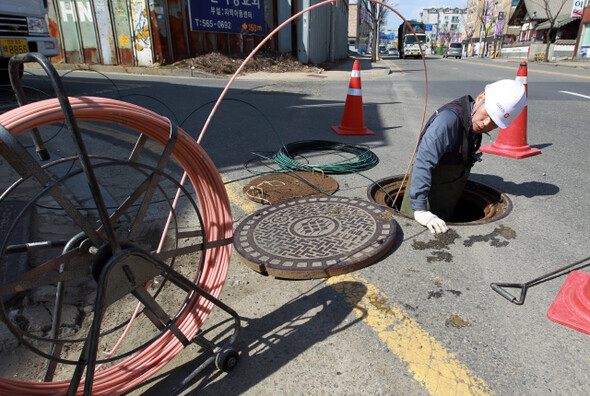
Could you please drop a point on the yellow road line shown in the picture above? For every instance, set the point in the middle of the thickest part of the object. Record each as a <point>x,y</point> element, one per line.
<point>528,70</point>
<point>431,364</point>
<point>398,68</point>
<point>236,196</point>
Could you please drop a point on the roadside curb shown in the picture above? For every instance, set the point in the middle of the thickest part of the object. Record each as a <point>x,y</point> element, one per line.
<point>144,70</point>
<point>342,73</point>
<point>565,63</point>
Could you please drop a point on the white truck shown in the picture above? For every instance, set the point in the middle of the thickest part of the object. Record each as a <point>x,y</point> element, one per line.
<point>23,28</point>
<point>407,44</point>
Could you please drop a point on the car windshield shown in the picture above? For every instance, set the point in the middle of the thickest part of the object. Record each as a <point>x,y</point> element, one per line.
<point>410,39</point>
<point>456,45</point>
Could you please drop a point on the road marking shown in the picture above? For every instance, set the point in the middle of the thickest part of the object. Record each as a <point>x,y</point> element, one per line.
<point>528,70</point>
<point>310,106</point>
<point>236,196</point>
<point>397,67</point>
<point>431,364</point>
<point>576,94</point>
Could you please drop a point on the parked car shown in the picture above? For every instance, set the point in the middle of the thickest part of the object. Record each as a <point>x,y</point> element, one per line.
<point>393,51</point>
<point>453,49</point>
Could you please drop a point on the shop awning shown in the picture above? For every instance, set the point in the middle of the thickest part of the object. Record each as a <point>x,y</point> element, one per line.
<point>561,21</point>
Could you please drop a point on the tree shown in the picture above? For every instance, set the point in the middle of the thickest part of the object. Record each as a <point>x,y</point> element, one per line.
<point>551,18</point>
<point>470,25</point>
<point>377,13</point>
<point>487,18</point>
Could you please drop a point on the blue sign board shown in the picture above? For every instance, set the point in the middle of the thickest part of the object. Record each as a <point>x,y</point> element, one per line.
<point>428,28</point>
<point>228,16</point>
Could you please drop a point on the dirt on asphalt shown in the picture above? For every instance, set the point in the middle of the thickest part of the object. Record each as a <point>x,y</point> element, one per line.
<point>263,61</point>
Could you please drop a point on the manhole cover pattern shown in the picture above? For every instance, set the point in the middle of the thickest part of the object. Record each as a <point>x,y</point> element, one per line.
<point>315,237</point>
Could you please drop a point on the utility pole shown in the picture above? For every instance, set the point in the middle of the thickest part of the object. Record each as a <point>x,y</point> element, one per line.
<point>482,30</point>
<point>437,27</point>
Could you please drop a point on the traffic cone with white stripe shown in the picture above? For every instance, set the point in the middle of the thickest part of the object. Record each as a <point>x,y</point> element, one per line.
<point>353,120</point>
<point>512,141</point>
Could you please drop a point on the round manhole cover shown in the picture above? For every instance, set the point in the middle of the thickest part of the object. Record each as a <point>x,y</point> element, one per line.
<point>315,237</point>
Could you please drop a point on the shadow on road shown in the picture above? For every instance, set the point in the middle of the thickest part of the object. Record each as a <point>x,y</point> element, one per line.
<point>527,189</point>
<point>270,342</point>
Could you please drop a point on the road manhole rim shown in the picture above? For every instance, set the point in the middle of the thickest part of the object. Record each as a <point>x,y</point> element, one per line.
<point>391,184</point>
<point>367,252</point>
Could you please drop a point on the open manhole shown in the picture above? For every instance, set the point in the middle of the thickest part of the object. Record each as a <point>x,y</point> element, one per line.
<point>478,204</point>
<point>315,237</point>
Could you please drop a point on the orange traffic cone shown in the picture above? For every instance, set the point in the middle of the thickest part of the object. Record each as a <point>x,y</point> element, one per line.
<point>512,142</point>
<point>572,304</point>
<point>352,120</point>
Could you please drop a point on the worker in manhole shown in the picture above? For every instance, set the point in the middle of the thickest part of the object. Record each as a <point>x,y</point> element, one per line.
<point>448,148</point>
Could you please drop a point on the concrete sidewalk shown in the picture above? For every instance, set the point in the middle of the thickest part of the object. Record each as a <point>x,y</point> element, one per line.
<point>340,72</point>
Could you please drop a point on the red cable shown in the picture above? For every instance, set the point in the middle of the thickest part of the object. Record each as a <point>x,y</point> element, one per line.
<point>282,25</point>
<point>212,197</point>
<point>217,223</point>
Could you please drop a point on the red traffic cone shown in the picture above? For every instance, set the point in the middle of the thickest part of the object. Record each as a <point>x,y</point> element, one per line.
<point>572,304</point>
<point>512,142</point>
<point>352,120</point>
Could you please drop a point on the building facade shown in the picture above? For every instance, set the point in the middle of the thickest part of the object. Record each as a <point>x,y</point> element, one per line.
<point>148,32</point>
<point>488,26</point>
<point>444,24</point>
<point>526,29</point>
<point>582,48</point>
<point>359,31</point>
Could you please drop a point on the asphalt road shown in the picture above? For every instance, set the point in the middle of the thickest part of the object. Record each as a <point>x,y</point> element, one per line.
<point>422,319</point>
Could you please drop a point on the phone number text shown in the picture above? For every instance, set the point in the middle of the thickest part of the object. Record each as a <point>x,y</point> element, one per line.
<point>210,23</point>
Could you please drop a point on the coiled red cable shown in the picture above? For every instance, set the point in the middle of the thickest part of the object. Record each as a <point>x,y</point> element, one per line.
<point>212,198</point>
<point>217,223</point>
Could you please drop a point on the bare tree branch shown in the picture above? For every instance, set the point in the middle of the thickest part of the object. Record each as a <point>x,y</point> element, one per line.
<point>552,18</point>
<point>377,14</point>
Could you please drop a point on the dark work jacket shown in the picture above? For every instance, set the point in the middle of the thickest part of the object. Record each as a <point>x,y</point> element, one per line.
<point>465,149</point>
<point>448,177</point>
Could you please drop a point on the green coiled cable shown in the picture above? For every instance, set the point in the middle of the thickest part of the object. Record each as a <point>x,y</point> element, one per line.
<point>362,157</point>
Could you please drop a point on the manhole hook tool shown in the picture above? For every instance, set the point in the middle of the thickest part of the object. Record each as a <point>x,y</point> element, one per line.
<point>500,287</point>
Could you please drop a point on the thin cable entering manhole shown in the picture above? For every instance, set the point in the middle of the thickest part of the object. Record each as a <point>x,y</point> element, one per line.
<point>479,203</point>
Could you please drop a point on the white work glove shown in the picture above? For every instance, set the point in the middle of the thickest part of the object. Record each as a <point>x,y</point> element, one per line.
<point>435,224</point>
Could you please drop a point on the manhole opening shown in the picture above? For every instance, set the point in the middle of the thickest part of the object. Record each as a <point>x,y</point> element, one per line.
<point>478,204</point>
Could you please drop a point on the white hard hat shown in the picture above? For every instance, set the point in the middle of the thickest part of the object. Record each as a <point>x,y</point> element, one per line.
<point>504,101</point>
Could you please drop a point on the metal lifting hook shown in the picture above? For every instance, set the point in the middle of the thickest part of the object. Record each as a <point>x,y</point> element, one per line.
<point>500,287</point>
